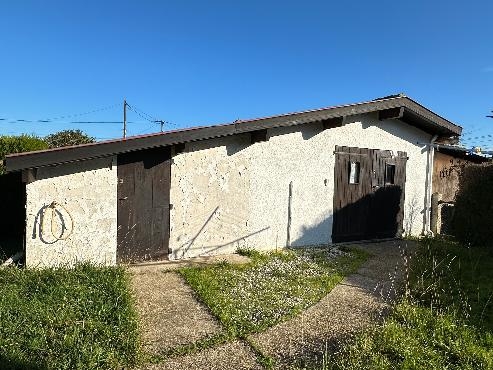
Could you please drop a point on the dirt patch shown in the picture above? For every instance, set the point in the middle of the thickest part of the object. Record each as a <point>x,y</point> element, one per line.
<point>234,355</point>
<point>169,313</point>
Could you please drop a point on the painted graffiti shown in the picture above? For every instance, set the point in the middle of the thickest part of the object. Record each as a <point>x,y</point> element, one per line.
<point>454,166</point>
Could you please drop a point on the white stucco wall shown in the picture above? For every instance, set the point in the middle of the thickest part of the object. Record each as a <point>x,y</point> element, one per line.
<point>227,193</point>
<point>88,191</point>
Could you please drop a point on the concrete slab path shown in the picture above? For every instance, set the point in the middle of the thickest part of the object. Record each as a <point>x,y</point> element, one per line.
<point>235,355</point>
<point>172,317</point>
<point>359,300</point>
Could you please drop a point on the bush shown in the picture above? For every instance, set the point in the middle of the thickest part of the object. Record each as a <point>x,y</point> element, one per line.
<point>19,144</point>
<point>68,138</point>
<point>474,206</point>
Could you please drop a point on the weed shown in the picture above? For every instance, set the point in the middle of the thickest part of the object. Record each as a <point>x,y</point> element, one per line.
<point>201,344</point>
<point>248,252</point>
<point>271,288</point>
<point>444,320</point>
<point>266,361</point>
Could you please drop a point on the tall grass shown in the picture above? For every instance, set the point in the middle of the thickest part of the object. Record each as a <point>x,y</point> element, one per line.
<point>66,319</point>
<point>444,321</point>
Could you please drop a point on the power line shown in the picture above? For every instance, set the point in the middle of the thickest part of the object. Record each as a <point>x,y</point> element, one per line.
<point>141,113</point>
<point>148,117</point>
<point>65,119</point>
<point>60,118</point>
<point>85,113</point>
<point>13,121</point>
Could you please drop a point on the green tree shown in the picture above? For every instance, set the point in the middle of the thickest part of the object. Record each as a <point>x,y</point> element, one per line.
<point>19,144</point>
<point>68,138</point>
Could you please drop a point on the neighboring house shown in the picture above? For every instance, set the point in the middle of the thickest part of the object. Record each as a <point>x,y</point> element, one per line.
<point>448,162</point>
<point>346,173</point>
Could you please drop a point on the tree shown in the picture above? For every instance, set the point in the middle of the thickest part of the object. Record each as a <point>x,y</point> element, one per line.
<point>19,144</point>
<point>68,138</point>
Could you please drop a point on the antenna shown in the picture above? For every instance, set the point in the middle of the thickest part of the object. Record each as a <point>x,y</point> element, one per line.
<point>125,118</point>
<point>161,122</point>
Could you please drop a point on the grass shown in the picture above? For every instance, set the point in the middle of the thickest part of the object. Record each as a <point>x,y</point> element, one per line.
<point>67,319</point>
<point>448,274</point>
<point>443,322</point>
<point>271,288</point>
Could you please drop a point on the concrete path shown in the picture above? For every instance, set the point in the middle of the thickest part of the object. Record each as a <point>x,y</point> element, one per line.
<point>359,300</point>
<point>234,355</point>
<point>172,317</point>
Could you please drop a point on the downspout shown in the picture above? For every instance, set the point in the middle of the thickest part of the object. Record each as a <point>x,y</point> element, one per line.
<point>429,186</point>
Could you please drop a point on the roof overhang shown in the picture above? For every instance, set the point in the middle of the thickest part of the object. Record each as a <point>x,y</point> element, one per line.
<point>395,107</point>
<point>465,153</point>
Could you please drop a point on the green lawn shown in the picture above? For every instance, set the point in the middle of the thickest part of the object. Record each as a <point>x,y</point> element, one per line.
<point>271,288</point>
<point>444,322</point>
<point>66,319</point>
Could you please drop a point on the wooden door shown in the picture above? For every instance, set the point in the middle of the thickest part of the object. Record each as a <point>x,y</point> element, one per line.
<point>368,194</point>
<point>143,205</point>
<point>353,185</point>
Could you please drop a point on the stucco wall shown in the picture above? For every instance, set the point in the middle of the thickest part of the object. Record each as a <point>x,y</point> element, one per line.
<point>88,191</point>
<point>446,169</point>
<point>227,193</point>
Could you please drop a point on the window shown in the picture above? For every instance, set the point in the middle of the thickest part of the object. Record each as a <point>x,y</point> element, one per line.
<point>354,168</point>
<point>389,174</point>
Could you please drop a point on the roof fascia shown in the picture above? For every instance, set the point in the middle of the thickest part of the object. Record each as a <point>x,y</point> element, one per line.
<point>414,114</point>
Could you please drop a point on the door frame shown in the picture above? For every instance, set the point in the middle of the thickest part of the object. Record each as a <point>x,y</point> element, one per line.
<point>141,202</point>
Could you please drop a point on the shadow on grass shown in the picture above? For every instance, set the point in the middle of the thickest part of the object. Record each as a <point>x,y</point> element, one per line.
<point>7,363</point>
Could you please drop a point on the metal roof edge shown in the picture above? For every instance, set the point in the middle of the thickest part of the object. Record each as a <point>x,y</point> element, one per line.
<point>20,161</point>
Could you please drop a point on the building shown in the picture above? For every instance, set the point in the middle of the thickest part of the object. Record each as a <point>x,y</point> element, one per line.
<point>448,163</point>
<point>345,173</point>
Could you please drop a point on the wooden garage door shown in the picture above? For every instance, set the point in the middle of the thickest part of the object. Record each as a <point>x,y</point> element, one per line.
<point>368,194</point>
<point>143,205</point>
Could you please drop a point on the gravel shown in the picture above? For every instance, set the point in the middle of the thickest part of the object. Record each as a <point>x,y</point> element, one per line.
<point>234,355</point>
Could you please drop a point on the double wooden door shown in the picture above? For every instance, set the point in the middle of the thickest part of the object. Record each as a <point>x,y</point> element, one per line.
<point>368,194</point>
<point>143,205</point>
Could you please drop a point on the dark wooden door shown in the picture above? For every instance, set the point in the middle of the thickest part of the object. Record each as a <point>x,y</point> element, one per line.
<point>143,205</point>
<point>368,194</point>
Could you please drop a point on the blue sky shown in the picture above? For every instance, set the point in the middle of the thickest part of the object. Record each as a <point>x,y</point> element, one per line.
<point>197,63</point>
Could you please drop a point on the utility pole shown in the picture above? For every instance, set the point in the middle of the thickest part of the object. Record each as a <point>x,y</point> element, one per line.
<point>124,118</point>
